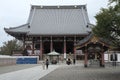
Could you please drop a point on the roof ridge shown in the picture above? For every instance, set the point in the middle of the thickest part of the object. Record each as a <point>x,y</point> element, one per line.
<point>57,6</point>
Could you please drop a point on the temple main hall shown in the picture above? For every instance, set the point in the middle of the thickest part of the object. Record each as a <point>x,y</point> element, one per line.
<point>53,28</point>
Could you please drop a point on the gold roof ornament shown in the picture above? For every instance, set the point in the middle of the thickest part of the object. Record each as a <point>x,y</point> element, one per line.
<point>94,39</point>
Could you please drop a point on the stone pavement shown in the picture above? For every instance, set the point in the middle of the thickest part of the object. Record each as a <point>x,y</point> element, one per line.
<point>33,73</point>
<point>78,72</point>
<point>11,68</point>
<point>59,72</point>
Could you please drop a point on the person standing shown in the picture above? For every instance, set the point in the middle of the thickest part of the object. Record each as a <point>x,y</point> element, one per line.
<point>74,61</point>
<point>113,59</point>
<point>25,52</point>
<point>47,63</point>
<point>68,61</point>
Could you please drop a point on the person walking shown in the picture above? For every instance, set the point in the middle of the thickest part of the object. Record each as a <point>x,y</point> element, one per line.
<point>43,65</point>
<point>47,63</point>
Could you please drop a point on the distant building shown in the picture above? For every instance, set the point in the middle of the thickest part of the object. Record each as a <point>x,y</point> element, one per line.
<point>53,28</point>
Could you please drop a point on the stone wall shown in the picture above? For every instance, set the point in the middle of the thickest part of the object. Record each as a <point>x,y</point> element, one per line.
<point>7,60</point>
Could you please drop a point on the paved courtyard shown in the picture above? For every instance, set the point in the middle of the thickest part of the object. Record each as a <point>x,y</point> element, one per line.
<point>78,72</point>
<point>59,72</point>
<point>12,68</point>
<point>33,72</point>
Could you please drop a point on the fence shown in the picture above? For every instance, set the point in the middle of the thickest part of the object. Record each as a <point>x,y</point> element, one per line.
<point>27,59</point>
<point>10,60</point>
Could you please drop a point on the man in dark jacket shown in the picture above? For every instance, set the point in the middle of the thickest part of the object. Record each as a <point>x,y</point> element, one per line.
<point>113,58</point>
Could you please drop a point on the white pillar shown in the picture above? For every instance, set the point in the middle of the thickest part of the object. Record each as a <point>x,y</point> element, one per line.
<point>51,44</point>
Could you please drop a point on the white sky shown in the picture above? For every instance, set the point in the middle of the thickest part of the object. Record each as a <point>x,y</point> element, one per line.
<point>15,12</point>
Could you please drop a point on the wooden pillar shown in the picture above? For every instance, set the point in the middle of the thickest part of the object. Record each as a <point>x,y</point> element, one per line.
<point>74,52</point>
<point>102,57</point>
<point>74,47</point>
<point>23,43</point>
<point>33,46</point>
<point>41,48</point>
<point>64,44</point>
<point>64,47</point>
<point>51,45</point>
<point>103,63</point>
<point>86,60</point>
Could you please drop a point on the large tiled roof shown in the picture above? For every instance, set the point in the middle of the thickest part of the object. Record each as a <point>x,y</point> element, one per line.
<point>55,20</point>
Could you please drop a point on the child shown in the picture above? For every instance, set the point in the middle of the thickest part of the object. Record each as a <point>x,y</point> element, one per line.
<point>43,65</point>
<point>47,63</point>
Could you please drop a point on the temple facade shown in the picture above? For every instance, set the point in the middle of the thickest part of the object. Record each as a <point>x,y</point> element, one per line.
<point>51,28</point>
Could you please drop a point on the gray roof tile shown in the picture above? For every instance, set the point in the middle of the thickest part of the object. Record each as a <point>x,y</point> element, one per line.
<point>56,20</point>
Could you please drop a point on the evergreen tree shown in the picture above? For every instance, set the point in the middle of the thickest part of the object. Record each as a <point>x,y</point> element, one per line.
<point>108,23</point>
<point>9,46</point>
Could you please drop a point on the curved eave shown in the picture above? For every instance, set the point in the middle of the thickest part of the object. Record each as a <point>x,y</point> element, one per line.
<point>88,39</point>
<point>23,25</point>
<point>80,46</point>
<point>105,44</point>
<point>19,29</point>
<point>9,31</point>
<point>15,34</point>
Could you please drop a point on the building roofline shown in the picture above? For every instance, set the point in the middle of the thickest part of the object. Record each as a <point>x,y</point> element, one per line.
<point>58,6</point>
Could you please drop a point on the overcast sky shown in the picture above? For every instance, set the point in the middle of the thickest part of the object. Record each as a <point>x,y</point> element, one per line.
<point>15,12</point>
